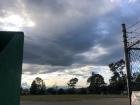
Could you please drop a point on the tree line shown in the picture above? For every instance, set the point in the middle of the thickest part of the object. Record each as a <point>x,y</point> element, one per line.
<point>97,85</point>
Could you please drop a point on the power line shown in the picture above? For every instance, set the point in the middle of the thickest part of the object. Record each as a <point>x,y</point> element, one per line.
<point>134,24</point>
<point>136,28</point>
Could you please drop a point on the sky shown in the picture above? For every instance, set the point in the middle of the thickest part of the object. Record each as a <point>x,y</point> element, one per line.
<point>68,38</point>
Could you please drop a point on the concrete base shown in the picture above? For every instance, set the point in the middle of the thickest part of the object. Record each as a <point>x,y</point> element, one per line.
<point>136,98</point>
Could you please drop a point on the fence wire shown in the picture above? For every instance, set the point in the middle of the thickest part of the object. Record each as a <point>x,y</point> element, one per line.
<point>134,54</point>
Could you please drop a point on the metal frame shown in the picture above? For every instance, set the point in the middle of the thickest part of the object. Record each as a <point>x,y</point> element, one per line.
<point>127,48</point>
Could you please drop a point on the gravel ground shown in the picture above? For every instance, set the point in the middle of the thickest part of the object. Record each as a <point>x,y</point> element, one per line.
<point>104,101</point>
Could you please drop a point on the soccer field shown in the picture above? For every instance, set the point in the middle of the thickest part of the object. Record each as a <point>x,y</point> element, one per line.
<point>74,100</point>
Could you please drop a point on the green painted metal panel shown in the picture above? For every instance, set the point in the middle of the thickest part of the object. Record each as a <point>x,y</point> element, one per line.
<point>11,55</point>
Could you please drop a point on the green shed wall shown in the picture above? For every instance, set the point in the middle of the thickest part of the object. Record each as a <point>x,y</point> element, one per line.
<point>11,55</point>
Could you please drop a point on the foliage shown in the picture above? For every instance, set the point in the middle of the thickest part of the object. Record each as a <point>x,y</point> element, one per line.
<point>138,78</point>
<point>38,86</point>
<point>34,89</point>
<point>96,83</point>
<point>61,91</point>
<point>51,91</point>
<point>83,91</point>
<point>72,82</point>
<point>118,80</point>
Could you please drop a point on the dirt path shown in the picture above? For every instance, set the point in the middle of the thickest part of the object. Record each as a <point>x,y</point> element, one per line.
<point>105,101</point>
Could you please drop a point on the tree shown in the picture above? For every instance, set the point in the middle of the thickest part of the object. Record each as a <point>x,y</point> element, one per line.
<point>118,80</point>
<point>96,82</point>
<point>34,88</point>
<point>137,78</point>
<point>38,86</point>
<point>43,88</point>
<point>21,89</point>
<point>51,90</point>
<point>72,82</point>
<point>61,91</point>
<point>135,81</point>
<point>82,91</point>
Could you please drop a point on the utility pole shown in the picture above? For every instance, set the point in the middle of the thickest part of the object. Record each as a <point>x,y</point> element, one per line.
<point>127,61</point>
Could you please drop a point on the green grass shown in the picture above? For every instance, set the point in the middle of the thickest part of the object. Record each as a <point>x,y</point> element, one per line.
<point>67,97</point>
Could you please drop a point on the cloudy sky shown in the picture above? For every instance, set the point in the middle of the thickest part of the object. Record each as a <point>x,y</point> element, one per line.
<point>68,38</point>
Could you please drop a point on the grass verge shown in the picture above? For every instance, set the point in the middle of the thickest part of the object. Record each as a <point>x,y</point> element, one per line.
<point>67,97</point>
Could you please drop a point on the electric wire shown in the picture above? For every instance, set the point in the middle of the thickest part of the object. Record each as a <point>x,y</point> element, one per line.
<point>133,25</point>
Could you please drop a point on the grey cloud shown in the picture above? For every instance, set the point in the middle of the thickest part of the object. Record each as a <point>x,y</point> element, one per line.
<point>59,46</point>
<point>54,6</point>
<point>60,41</point>
<point>65,29</point>
<point>33,69</point>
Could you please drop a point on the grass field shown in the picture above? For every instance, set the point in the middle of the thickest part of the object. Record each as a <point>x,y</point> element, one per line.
<point>50,98</point>
<point>74,100</point>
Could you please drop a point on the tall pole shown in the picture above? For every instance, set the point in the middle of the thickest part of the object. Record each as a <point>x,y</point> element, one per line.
<point>127,61</point>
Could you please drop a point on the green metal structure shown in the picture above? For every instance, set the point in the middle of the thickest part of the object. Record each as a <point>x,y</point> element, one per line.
<point>11,55</point>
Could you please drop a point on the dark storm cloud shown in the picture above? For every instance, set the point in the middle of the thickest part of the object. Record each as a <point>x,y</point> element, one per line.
<point>61,50</point>
<point>65,29</point>
<point>63,35</point>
